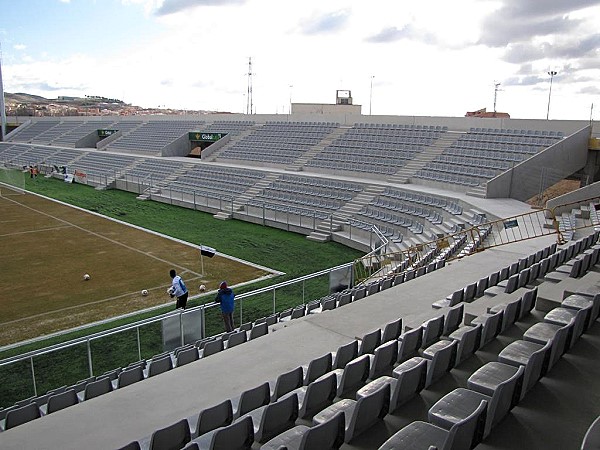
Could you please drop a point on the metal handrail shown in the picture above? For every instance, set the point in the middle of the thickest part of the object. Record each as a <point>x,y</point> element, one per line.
<point>163,316</point>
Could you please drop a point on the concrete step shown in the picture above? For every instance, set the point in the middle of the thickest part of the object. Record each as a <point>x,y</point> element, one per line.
<point>222,216</point>
<point>318,236</point>
<point>478,191</point>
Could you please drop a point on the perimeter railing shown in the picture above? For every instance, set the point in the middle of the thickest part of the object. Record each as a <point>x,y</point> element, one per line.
<point>36,372</point>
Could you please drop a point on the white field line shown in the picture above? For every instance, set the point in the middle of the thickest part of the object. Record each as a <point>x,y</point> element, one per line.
<point>121,244</point>
<point>39,230</point>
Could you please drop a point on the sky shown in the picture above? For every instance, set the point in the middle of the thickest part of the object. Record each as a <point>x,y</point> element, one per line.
<point>397,57</point>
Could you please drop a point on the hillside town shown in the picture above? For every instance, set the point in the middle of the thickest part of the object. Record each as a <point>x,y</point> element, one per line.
<point>27,105</point>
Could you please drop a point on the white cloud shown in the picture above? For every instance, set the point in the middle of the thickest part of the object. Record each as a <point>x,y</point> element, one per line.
<point>424,56</point>
<point>19,47</point>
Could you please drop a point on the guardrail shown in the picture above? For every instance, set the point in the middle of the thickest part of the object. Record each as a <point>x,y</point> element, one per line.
<point>41,370</point>
<point>484,236</point>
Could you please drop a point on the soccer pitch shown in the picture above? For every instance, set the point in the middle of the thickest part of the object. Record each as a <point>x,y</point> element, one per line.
<point>47,247</point>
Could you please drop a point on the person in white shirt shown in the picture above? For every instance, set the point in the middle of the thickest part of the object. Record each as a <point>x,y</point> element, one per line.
<point>178,290</point>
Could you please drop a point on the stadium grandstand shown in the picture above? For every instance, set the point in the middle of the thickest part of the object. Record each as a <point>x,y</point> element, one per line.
<point>471,321</point>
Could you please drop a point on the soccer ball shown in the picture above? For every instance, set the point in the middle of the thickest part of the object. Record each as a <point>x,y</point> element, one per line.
<point>202,288</point>
<point>144,292</point>
<point>170,291</point>
<point>86,276</point>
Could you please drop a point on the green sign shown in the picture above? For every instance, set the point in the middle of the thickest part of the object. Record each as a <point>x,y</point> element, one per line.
<point>204,136</point>
<point>105,133</point>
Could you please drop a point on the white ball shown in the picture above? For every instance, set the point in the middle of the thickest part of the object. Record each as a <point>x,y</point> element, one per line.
<point>202,288</point>
<point>144,292</point>
<point>86,277</point>
<point>170,290</point>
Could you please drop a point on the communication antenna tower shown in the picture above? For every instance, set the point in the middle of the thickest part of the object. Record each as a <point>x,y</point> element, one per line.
<point>496,90</point>
<point>249,104</point>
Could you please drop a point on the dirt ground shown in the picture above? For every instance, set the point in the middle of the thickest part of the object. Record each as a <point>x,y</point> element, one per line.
<point>560,188</point>
<point>48,247</point>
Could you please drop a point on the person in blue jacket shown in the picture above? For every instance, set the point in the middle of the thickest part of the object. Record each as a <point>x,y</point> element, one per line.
<point>225,297</point>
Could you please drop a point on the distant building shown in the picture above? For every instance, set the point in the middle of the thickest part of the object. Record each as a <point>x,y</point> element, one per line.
<point>485,114</point>
<point>343,105</point>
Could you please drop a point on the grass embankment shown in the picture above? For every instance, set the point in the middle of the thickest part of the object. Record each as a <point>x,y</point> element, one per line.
<point>288,252</point>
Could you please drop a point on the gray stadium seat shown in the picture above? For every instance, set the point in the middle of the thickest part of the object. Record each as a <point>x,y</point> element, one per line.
<point>237,436</point>
<point>252,399</point>
<point>212,347</point>
<point>370,342</point>
<point>237,338</point>
<point>469,338</point>
<point>259,330</point>
<point>424,435</point>
<point>361,414</point>
<point>214,417</point>
<point>559,335</point>
<point>352,376</point>
<point>287,382</point>
<point>529,354</point>
<point>441,358</point>
<point>328,435</point>
<point>383,360</point>
<point>96,388</point>
<point>186,356</point>
<point>130,376</point>
<point>392,330</point>
<point>409,343</point>
<point>408,380</point>
<point>318,367</point>
<point>275,418</point>
<point>173,436</point>
<point>344,354</point>
<point>63,400</point>
<point>21,415</point>
<point>161,365</point>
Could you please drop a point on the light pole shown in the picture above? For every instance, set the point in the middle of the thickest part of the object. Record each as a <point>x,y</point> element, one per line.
<point>551,73</point>
<point>496,89</point>
<point>291,87</point>
<point>371,94</point>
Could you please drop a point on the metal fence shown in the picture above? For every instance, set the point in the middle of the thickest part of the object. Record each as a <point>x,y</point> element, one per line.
<point>39,371</point>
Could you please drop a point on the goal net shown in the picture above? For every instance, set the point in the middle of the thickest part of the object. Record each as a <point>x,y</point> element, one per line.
<point>12,182</point>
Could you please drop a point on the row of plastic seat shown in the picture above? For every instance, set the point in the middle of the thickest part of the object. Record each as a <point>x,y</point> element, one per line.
<point>355,388</point>
<point>425,199</point>
<point>401,126</point>
<point>92,387</point>
<point>515,132</point>
<point>305,393</point>
<point>321,183</point>
<point>477,289</point>
<point>494,389</point>
<point>447,177</point>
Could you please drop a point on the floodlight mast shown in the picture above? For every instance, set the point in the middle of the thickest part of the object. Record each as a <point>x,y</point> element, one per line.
<point>496,89</point>
<point>551,73</point>
<point>249,105</point>
<point>371,94</point>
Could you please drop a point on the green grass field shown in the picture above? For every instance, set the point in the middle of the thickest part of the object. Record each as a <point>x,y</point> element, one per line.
<point>48,246</point>
<point>287,252</point>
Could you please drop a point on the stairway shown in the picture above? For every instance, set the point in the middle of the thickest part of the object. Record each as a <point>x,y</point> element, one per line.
<point>478,191</point>
<point>241,200</point>
<point>404,175</point>
<point>327,227</point>
<point>156,189</point>
<point>297,165</point>
<point>214,156</point>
